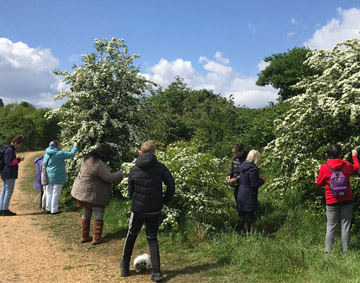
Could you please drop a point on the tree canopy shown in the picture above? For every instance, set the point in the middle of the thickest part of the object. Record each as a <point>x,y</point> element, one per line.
<point>285,70</point>
<point>328,111</point>
<point>105,102</point>
<point>24,118</point>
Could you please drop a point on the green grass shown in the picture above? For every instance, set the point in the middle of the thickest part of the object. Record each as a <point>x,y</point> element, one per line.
<point>287,245</point>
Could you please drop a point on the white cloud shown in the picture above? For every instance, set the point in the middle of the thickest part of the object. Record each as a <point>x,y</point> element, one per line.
<point>345,26</point>
<point>218,56</point>
<point>26,74</point>
<point>219,77</point>
<point>262,65</point>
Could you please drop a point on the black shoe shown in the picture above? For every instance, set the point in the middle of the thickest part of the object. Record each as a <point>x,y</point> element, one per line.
<point>47,211</point>
<point>157,276</point>
<point>1,212</point>
<point>57,212</point>
<point>8,213</point>
<point>124,267</point>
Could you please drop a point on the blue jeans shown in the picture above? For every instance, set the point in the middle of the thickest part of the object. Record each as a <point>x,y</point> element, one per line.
<point>6,193</point>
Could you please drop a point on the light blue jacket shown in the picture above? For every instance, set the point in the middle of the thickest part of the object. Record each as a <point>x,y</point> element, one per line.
<point>55,160</point>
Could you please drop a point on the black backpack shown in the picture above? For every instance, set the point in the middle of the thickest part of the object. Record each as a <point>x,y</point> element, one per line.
<point>2,161</point>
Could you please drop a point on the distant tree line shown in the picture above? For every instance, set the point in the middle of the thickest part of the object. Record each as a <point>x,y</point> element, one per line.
<point>24,118</point>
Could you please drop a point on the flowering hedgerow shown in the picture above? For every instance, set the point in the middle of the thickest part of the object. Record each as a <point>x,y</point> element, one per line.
<point>327,112</point>
<point>199,180</point>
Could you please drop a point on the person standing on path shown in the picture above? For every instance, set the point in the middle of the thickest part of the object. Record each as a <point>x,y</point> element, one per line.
<point>9,174</point>
<point>92,190</point>
<point>56,174</point>
<point>145,190</point>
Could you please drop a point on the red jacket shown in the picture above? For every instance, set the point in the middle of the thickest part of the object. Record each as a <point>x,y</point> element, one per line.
<point>325,173</point>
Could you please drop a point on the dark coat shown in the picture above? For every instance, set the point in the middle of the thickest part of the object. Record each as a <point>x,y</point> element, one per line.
<point>145,185</point>
<point>248,188</point>
<point>235,166</point>
<point>9,172</point>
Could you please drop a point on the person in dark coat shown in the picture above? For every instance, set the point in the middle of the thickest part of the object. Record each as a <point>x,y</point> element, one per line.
<point>9,174</point>
<point>145,190</point>
<point>233,177</point>
<point>247,196</point>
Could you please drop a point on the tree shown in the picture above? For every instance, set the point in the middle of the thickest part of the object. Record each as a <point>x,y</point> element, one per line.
<point>1,103</point>
<point>183,114</point>
<point>285,70</point>
<point>328,111</point>
<point>24,118</point>
<point>105,101</point>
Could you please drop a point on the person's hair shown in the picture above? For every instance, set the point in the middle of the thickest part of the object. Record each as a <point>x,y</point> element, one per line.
<point>253,156</point>
<point>333,151</point>
<point>148,146</point>
<point>103,152</point>
<point>18,139</point>
<point>238,147</point>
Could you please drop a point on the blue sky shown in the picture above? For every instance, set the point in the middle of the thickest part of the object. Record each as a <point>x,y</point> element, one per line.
<point>217,45</point>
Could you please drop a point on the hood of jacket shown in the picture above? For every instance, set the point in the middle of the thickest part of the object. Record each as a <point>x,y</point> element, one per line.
<point>38,159</point>
<point>9,146</point>
<point>247,165</point>
<point>335,163</point>
<point>146,160</point>
<point>51,150</point>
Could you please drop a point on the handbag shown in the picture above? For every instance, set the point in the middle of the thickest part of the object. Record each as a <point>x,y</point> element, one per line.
<point>44,180</point>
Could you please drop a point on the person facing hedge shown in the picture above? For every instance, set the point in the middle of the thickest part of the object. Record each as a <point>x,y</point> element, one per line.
<point>92,191</point>
<point>338,207</point>
<point>56,174</point>
<point>247,195</point>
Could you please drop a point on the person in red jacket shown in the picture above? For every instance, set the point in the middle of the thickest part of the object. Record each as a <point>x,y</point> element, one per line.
<point>337,207</point>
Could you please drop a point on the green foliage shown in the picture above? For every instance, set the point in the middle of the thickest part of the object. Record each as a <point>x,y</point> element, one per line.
<point>327,112</point>
<point>24,118</point>
<point>285,70</point>
<point>104,101</point>
<point>258,127</point>
<point>183,114</point>
<point>200,194</point>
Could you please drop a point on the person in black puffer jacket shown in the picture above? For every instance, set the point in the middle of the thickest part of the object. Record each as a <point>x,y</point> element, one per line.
<point>145,190</point>
<point>247,196</point>
<point>233,177</point>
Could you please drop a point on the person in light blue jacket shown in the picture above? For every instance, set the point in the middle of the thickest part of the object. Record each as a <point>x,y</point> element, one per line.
<point>54,160</point>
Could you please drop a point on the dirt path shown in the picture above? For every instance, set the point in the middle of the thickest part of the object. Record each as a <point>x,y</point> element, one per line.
<point>29,253</point>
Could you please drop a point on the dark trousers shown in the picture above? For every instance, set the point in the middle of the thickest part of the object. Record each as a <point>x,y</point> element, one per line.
<point>152,228</point>
<point>247,217</point>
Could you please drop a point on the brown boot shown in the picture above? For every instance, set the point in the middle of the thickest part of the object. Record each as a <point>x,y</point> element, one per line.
<point>97,233</point>
<point>85,229</point>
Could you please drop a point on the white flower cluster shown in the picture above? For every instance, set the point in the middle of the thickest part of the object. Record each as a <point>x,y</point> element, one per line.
<point>327,112</point>
<point>199,179</point>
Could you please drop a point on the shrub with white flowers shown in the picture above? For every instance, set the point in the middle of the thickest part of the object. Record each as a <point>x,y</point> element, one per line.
<point>199,179</point>
<point>105,96</point>
<point>327,112</point>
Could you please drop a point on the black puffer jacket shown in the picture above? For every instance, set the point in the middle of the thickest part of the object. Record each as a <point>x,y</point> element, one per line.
<point>248,189</point>
<point>235,166</point>
<point>145,185</point>
<point>9,172</point>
